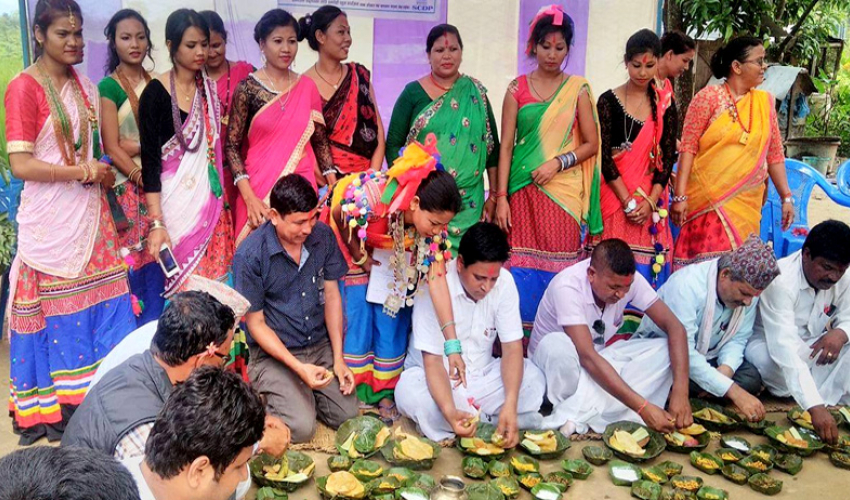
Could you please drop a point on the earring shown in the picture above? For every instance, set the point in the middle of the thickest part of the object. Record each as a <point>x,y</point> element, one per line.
<point>263,58</point>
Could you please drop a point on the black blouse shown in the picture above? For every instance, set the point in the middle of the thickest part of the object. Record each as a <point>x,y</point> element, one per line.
<point>156,127</point>
<point>615,123</point>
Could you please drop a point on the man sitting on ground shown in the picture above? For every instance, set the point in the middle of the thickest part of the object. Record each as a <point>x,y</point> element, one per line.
<point>117,414</point>
<point>202,440</point>
<point>590,383</point>
<point>48,473</point>
<point>485,301</point>
<point>288,270</point>
<point>801,331</point>
<point>717,301</point>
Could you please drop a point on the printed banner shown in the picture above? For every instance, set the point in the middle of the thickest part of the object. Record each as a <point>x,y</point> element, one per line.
<point>416,10</point>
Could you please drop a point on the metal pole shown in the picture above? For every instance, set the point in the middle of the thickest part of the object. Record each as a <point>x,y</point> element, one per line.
<point>26,31</point>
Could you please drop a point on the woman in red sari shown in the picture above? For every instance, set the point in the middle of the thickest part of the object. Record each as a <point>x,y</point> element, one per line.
<point>276,125</point>
<point>354,126</point>
<point>70,299</point>
<point>638,126</point>
<point>227,75</point>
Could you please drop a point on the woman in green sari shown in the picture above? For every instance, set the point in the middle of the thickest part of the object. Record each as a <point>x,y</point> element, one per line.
<point>454,108</point>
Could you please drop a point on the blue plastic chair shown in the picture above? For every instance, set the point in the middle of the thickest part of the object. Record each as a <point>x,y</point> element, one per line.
<point>802,178</point>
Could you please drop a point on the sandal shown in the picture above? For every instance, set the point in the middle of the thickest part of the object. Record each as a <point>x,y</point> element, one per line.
<point>388,412</point>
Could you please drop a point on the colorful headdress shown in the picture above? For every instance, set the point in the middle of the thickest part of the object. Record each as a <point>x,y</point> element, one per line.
<point>554,10</point>
<point>408,171</point>
<point>755,262</point>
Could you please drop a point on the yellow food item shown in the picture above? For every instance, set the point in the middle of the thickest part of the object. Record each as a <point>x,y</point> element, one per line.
<point>530,481</point>
<point>415,449</point>
<point>805,417</point>
<point>789,438</point>
<point>545,440</point>
<point>381,437</point>
<point>344,483</point>
<point>762,455</point>
<point>522,466</point>
<point>712,415</point>
<point>655,478</point>
<point>693,430</point>
<point>625,442</point>
<point>706,463</point>
<point>690,485</point>
<point>728,457</point>
<point>758,464</point>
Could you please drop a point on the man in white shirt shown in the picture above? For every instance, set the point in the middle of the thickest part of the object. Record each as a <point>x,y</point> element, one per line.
<point>591,384</point>
<point>485,302</point>
<point>800,337</point>
<point>717,301</point>
<point>202,440</point>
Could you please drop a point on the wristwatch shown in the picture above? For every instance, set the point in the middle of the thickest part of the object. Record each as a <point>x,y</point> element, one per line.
<point>788,199</point>
<point>631,206</point>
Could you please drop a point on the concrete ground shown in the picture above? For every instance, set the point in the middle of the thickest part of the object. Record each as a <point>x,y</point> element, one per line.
<point>819,479</point>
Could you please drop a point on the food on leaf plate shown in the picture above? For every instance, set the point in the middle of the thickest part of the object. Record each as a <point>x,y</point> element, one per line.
<point>530,480</point>
<point>688,483</point>
<point>596,454</point>
<point>655,474</point>
<point>498,469</point>
<point>735,473</point>
<point>474,467</point>
<point>345,484</point>
<point>507,485</point>
<point>729,455</point>
<point>522,465</point>
<point>706,462</point>
<point>361,437</point>
<point>765,484</point>
<point>580,469</point>
<point>546,491</point>
<point>646,490</point>
<point>630,442</point>
<point>671,468</point>
<point>561,479</point>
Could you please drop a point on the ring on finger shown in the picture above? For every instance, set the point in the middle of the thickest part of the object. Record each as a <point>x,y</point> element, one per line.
<point>829,355</point>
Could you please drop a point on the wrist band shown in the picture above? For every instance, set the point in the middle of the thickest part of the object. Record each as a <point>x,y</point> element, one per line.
<point>645,402</point>
<point>498,194</point>
<point>452,347</point>
<point>448,324</point>
<point>239,178</point>
<point>329,172</point>
<point>679,199</point>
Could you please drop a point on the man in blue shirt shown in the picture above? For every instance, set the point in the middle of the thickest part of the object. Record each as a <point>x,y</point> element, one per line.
<point>288,270</point>
<point>716,301</point>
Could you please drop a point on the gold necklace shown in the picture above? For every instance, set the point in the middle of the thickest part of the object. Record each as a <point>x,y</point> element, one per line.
<point>338,81</point>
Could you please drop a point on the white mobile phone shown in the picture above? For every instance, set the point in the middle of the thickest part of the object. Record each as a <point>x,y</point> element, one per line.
<point>167,261</point>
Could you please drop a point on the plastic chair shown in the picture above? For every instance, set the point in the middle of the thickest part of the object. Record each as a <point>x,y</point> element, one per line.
<point>802,178</point>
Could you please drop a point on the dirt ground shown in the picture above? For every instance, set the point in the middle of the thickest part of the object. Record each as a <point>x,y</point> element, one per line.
<point>819,479</point>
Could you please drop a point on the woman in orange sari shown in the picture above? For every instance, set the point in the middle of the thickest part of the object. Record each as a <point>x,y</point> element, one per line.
<point>638,125</point>
<point>277,117</point>
<point>730,145</point>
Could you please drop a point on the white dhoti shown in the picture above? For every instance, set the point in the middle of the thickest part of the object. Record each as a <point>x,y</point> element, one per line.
<point>832,380</point>
<point>484,387</point>
<point>644,364</point>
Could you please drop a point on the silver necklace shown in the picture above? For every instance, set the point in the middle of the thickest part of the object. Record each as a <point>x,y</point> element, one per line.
<point>274,87</point>
<point>627,142</point>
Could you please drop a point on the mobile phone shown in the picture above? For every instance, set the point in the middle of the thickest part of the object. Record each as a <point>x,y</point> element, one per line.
<point>167,261</point>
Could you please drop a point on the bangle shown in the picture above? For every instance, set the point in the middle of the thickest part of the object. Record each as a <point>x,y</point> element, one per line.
<point>157,224</point>
<point>679,199</point>
<point>239,178</point>
<point>452,347</point>
<point>498,194</point>
<point>788,199</point>
<point>86,173</point>
<point>52,173</point>
<point>361,261</point>
<point>137,170</point>
<point>448,324</point>
<point>645,402</point>
<point>329,171</point>
<point>562,162</point>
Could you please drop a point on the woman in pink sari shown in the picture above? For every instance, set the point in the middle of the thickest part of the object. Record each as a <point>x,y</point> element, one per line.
<point>638,126</point>
<point>70,299</point>
<point>181,159</point>
<point>227,75</point>
<point>277,121</point>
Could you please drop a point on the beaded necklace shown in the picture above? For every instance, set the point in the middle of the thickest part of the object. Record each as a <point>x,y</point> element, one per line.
<point>72,151</point>
<point>745,136</point>
<point>408,274</point>
<point>225,106</point>
<point>130,91</point>
<point>212,170</point>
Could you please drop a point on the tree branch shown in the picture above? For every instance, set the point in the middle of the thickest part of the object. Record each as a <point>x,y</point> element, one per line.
<point>792,36</point>
<point>780,9</point>
<point>775,29</point>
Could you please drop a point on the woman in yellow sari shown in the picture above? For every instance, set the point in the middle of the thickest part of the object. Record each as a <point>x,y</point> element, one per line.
<point>549,176</point>
<point>730,145</point>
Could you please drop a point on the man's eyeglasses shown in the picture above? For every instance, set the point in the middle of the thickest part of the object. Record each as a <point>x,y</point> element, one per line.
<point>599,327</point>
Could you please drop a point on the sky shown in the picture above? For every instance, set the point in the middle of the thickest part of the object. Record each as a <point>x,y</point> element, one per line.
<point>8,6</point>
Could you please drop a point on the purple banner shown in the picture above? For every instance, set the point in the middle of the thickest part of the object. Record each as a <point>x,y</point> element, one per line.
<point>398,57</point>
<point>578,10</point>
